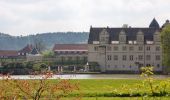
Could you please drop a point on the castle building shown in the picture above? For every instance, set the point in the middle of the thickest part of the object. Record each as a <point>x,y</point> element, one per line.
<point>125,49</point>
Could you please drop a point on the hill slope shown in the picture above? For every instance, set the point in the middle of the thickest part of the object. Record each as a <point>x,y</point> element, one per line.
<point>8,42</point>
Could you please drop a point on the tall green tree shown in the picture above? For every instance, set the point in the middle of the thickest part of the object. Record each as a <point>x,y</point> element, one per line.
<point>165,41</point>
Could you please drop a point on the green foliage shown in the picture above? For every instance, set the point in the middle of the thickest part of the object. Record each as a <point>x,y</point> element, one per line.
<point>48,54</point>
<point>165,40</point>
<point>15,89</point>
<point>152,88</point>
<point>40,67</point>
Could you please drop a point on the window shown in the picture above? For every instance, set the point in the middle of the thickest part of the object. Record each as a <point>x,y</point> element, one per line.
<point>158,65</point>
<point>85,59</point>
<point>66,52</point>
<point>62,58</point>
<point>124,57</point>
<point>123,66</point>
<point>109,48</point>
<point>124,48</point>
<point>131,57</point>
<point>115,48</point>
<point>148,65</point>
<point>102,39</point>
<point>148,48</point>
<point>109,57</point>
<point>115,57</point>
<point>69,58</point>
<point>148,57</point>
<point>140,57</point>
<point>140,48</point>
<point>122,38</point>
<point>157,57</point>
<point>95,48</point>
<point>157,48</point>
<point>131,48</point>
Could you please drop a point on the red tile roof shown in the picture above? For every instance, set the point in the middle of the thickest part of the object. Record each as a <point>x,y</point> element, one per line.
<point>27,49</point>
<point>70,47</point>
<point>8,53</point>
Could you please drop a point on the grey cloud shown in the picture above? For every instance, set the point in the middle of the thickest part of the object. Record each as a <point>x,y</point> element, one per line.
<point>33,16</point>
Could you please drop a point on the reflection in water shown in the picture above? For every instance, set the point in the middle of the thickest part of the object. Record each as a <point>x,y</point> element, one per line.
<point>87,76</point>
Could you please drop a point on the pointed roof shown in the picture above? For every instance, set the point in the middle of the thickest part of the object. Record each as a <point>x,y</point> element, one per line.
<point>27,49</point>
<point>34,51</point>
<point>154,24</point>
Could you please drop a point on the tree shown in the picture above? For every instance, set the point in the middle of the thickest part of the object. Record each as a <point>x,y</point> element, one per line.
<point>48,54</point>
<point>35,89</point>
<point>39,44</point>
<point>165,42</point>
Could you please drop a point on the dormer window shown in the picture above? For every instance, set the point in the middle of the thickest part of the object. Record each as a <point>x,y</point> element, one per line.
<point>122,36</point>
<point>104,37</point>
<point>140,37</point>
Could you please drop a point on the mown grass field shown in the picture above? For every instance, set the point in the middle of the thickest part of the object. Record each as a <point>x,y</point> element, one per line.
<point>102,89</point>
<point>119,98</point>
<point>103,85</point>
<point>98,89</point>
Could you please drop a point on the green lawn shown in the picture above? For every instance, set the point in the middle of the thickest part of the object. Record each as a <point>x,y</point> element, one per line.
<point>119,98</point>
<point>103,89</point>
<point>103,85</point>
<point>106,87</point>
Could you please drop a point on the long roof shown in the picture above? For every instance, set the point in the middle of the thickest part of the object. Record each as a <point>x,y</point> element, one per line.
<point>114,33</point>
<point>70,47</point>
<point>8,53</point>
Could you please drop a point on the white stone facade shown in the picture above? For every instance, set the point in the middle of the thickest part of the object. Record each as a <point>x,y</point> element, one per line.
<point>126,55</point>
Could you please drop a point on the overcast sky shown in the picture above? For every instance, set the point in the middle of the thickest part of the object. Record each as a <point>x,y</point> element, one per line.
<point>23,17</point>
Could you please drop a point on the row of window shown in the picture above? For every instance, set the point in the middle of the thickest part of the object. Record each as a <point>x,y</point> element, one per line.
<point>71,52</point>
<point>115,66</point>
<point>131,48</point>
<point>131,57</point>
<point>73,58</point>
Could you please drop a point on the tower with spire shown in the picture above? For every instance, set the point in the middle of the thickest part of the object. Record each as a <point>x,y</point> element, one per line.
<point>154,24</point>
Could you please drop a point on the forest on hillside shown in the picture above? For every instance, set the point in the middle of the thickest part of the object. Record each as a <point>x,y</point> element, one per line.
<point>8,42</point>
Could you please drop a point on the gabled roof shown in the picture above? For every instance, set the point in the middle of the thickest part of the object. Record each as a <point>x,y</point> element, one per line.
<point>34,51</point>
<point>70,47</point>
<point>114,33</point>
<point>8,53</point>
<point>27,49</point>
<point>154,24</point>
